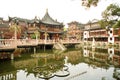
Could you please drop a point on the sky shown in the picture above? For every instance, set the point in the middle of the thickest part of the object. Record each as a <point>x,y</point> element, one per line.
<point>63,10</point>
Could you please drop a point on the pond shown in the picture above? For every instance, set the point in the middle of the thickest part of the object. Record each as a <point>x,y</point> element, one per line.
<point>84,63</point>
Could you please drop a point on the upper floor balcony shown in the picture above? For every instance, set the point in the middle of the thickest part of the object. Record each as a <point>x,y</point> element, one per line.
<point>51,29</point>
<point>98,33</point>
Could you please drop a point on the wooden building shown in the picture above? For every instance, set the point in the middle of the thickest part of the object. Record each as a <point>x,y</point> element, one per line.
<point>75,30</point>
<point>46,28</point>
<point>21,26</point>
<point>93,30</point>
<point>50,27</point>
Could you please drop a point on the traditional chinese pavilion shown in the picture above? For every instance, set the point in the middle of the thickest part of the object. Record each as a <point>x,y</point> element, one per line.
<point>46,28</point>
<point>50,27</point>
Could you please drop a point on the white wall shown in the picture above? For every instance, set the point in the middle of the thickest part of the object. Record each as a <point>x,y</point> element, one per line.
<point>85,35</point>
<point>110,36</point>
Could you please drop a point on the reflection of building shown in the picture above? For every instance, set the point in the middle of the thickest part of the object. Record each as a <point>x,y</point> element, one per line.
<point>111,53</point>
<point>88,53</point>
<point>108,55</point>
<point>94,30</point>
<point>85,51</point>
<point>9,76</point>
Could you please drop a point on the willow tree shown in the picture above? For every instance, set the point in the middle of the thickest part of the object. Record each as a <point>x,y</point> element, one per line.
<point>37,34</point>
<point>15,29</point>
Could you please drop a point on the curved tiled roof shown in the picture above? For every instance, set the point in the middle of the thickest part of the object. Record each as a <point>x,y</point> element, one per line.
<point>48,20</point>
<point>24,20</point>
<point>45,20</point>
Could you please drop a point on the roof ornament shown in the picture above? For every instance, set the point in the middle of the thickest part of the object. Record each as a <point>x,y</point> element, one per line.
<point>35,19</point>
<point>48,20</point>
<point>47,10</point>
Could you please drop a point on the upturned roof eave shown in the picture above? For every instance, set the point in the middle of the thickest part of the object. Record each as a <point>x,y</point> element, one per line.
<point>24,20</point>
<point>48,20</point>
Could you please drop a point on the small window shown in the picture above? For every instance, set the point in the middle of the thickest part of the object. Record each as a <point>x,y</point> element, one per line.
<point>110,31</point>
<point>110,38</point>
<point>110,51</point>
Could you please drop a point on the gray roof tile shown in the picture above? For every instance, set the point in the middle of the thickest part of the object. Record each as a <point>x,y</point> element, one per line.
<point>48,20</point>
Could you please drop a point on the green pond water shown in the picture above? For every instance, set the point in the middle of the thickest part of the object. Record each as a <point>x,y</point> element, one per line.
<point>73,64</point>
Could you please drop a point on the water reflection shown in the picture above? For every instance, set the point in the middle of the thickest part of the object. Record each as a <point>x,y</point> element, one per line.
<point>85,64</point>
<point>98,57</point>
<point>50,69</point>
<point>110,53</point>
<point>100,53</point>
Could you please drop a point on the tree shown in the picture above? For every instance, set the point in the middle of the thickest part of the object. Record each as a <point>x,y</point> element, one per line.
<point>89,3</point>
<point>111,12</point>
<point>14,27</point>
<point>111,16</point>
<point>103,23</point>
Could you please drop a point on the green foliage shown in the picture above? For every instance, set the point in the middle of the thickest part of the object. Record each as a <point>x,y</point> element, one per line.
<point>33,36</point>
<point>111,11</point>
<point>119,37</point>
<point>114,8</point>
<point>13,27</point>
<point>103,23</point>
<point>89,3</point>
<point>117,24</point>
<point>65,29</point>
<point>110,16</point>
<point>36,32</point>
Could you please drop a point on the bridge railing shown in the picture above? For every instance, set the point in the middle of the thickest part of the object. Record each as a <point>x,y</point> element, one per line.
<point>27,42</point>
<point>70,41</point>
<point>34,41</point>
<point>15,43</point>
<point>8,76</point>
<point>7,43</point>
<point>46,41</point>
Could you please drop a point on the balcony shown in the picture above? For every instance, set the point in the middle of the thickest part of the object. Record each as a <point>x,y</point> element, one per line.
<point>51,30</point>
<point>32,28</point>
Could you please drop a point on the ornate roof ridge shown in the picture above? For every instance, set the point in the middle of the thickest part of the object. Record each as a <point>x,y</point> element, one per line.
<point>24,19</point>
<point>49,20</point>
